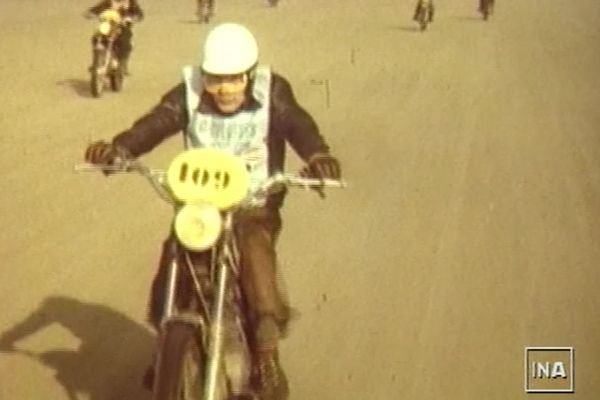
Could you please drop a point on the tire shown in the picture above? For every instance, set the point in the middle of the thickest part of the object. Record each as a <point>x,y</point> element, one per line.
<point>423,18</point>
<point>204,11</point>
<point>180,373</point>
<point>203,17</point>
<point>97,77</point>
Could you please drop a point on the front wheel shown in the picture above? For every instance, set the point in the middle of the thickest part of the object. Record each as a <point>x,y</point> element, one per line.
<point>180,369</point>
<point>423,18</point>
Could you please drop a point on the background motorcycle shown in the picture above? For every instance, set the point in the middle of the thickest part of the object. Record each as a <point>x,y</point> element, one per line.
<point>105,68</point>
<point>205,10</point>
<point>424,13</point>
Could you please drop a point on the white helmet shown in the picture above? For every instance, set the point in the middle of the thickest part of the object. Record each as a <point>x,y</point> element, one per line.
<point>229,49</point>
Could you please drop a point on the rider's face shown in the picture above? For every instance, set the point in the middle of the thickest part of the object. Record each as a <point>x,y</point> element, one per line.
<point>228,91</point>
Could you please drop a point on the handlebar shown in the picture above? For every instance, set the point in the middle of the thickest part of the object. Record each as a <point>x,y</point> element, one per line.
<point>126,20</point>
<point>274,182</point>
<point>156,177</point>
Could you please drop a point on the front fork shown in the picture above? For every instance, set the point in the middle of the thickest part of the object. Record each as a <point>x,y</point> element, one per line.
<point>109,61</point>
<point>220,323</point>
<point>216,337</point>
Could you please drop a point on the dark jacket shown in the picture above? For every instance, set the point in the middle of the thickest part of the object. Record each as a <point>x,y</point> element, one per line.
<point>133,10</point>
<point>288,122</point>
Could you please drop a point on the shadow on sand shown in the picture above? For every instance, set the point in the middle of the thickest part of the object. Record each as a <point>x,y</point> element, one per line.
<point>113,354</point>
<point>469,18</point>
<point>79,86</point>
<point>412,28</point>
<point>192,22</point>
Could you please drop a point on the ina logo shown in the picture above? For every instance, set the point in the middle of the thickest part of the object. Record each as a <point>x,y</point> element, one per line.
<point>549,370</point>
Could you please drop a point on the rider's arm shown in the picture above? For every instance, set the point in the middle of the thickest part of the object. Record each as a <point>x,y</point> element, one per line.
<point>293,122</point>
<point>135,10</point>
<point>98,8</point>
<point>35,322</point>
<point>164,120</point>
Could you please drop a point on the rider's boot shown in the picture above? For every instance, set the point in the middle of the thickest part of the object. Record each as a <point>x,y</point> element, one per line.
<point>271,380</point>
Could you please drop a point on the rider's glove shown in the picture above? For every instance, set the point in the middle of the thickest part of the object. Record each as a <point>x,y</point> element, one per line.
<point>101,152</point>
<point>322,166</point>
<point>104,153</point>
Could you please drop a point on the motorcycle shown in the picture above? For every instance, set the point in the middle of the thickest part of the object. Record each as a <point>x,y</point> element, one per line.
<point>106,69</point>
<point>424,13</point>
<point>203,347</point>
<point>486,8</point>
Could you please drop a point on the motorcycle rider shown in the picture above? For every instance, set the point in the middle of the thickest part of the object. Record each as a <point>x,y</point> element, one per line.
<point>129,10</point>
<point>233,102</point>
<point>424,3</point>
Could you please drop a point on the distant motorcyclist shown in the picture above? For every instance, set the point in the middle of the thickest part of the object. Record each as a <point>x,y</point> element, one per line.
<point>424,3</point>
<point>490,6</point>
<point>129,11</point>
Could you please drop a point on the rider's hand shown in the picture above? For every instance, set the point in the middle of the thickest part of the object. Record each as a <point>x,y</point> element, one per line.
<point>101,152</point>
<point>89,15</point>
<point>322,166</point>
<point>104,153</point>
